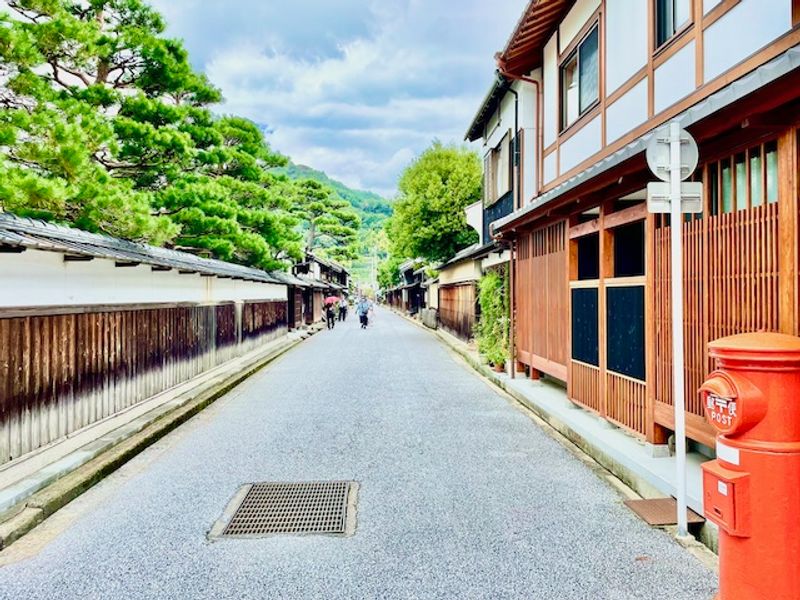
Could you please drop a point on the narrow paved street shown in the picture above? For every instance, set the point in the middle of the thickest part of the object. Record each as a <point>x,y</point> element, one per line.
<point>461,495</point>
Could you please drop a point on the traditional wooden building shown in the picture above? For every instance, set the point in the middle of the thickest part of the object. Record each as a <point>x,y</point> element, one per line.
<point>321,278</point>
<point>93,326</point>
<point>590,265</point>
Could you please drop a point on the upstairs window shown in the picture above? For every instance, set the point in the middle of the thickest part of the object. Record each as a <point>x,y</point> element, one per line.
<point>745,180</point>
<point>497,171</point>
<point>580,79</point>
<point>671,16</point>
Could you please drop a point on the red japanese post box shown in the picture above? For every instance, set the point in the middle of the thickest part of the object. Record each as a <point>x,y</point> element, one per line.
<point>752,490</point>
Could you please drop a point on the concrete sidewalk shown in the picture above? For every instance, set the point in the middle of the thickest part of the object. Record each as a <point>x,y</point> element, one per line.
<point>461,495</point>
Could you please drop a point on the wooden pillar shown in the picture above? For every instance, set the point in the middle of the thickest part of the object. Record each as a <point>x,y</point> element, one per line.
<point>572,274</point>
<point>787,231</point>
<point>654,433</point>
<point>606,251</point>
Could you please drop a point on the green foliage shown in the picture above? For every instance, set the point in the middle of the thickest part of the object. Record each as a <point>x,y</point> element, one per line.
<point>388,273</point>
<point>330,223</point>
<point>105,125</point>
<point>429,220</point>
<point>493,327</point>
<point>372,209</point>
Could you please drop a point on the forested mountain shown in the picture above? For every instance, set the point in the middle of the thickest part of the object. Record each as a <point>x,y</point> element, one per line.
<point>372,208</point>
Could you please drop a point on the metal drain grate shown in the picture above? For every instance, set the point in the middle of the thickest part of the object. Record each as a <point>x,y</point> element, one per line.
<point>661,511</point>
<point>300,508</point>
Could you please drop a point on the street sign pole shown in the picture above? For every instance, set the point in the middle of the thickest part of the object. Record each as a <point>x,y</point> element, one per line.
<point>676,222</point>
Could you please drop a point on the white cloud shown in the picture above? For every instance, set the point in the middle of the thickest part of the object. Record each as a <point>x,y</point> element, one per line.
<point>387,78</point>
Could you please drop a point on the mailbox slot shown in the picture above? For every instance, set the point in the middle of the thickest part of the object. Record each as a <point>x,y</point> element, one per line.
<point>726,498</point>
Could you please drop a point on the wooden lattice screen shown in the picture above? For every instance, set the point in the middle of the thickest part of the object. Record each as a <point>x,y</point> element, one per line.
<point>731,273</point>
<point>542,299</point>
<point>730,286</point>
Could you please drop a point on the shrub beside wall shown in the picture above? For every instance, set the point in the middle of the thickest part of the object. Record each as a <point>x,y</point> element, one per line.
<point>493,327</point>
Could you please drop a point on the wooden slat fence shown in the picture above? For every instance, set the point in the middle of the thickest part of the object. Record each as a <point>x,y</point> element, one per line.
<point>625,401</point>
<point>62,372</point>
<point>457,309</point>
<point>586,385</point>
<point>730,286</point>
<point>542,299</point>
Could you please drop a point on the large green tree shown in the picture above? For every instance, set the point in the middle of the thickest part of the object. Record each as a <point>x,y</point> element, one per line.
<point>330,224</point>
<point>105,125</point>
<point>429,220</point>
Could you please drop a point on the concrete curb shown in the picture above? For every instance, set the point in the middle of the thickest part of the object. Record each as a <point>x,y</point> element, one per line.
<point>26,515</point>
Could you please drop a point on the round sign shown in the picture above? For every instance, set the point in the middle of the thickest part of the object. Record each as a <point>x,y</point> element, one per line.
<point>658,158</point>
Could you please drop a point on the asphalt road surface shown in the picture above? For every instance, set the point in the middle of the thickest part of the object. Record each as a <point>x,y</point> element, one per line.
<point>461,495</point>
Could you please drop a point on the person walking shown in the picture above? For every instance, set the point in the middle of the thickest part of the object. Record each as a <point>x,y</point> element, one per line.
<point>330,315</point>
<point>362,309</point>
<point>343,309</point>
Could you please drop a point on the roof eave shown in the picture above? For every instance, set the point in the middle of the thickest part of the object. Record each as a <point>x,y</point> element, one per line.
<point>489,104</point>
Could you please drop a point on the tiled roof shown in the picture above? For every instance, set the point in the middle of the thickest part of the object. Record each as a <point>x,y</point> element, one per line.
<point>19,232</point>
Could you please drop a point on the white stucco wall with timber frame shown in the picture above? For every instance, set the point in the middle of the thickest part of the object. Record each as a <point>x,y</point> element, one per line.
<point>643,84</point>
<point>41,278</point>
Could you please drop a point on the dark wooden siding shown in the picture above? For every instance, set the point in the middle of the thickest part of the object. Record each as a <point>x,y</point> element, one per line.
<point>62,372</point>
<point>457,304</point>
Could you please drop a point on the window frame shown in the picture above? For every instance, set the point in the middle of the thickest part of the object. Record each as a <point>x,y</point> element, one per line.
<point>574,52</point>
<point>677,30</point>
<point>727,198</point>
<point>493,164</point>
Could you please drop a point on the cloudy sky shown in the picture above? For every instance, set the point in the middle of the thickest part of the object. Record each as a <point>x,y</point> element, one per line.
<point>355,88</point>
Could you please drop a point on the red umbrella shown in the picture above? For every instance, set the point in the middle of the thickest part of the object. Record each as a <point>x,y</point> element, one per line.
<point>331,299</point>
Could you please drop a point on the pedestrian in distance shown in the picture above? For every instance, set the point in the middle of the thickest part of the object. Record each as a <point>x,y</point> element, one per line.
<point>343,309</point>
<point>330,315</point>
<point>362,309</point>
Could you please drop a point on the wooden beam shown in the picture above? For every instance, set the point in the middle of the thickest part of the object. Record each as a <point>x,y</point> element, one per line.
<point>787,231</point>
<point>637,212</point>
<point>584,229</point>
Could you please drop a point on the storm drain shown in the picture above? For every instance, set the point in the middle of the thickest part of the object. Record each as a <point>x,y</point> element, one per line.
<point>267,508</point>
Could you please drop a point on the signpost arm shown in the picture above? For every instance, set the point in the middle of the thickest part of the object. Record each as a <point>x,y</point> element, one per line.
<point>676,220</point>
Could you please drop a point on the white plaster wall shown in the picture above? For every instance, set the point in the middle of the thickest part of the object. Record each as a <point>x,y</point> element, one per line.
<point>581,146</point>
<point>529,164</point>
<point>627,112</point>
<point>504,122</point>
<point>626,40</point>
<point>675,78</point>
<point>474,214</point>
<point>550,91</point>
<point>491,124</point>
<point>495,259</point>
<point>549,167</point>
<point>39,278</point>
<point>745,29</point>
<point>433,296</point>
<point>469,270</point>
<point>527,103</point>
<point>709,4</point>
<point>576,18</point>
